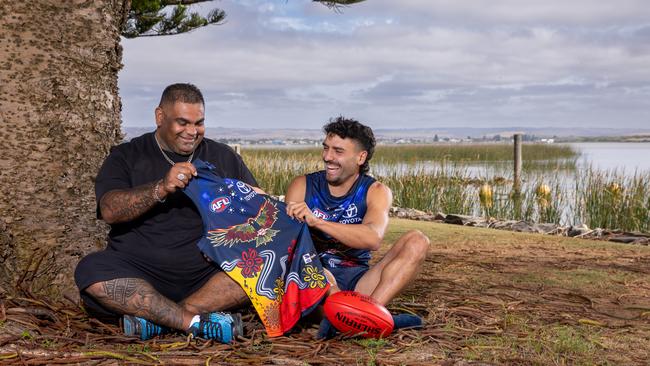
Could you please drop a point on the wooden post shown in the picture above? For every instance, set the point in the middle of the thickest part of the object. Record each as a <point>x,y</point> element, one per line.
<point>237,148</point>
<point>517,175</point>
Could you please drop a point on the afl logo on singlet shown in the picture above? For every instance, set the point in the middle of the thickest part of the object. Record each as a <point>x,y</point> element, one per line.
<point>320,214</point>
<point>219,204</point>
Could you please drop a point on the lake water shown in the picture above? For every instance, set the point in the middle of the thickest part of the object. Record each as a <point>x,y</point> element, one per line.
<point>620,156</point>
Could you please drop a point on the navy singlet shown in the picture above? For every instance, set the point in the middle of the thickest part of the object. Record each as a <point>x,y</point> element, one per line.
<point>348,209</point>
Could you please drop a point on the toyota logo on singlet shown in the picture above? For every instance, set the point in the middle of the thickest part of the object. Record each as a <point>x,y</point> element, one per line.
<point>243,187</point>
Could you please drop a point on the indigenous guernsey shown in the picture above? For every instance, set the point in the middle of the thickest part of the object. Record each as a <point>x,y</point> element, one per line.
<point>258,245</point>
<point>348,209</point>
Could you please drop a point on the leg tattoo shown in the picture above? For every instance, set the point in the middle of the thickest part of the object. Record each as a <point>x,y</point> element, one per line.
<point>120,290</point>
<point>135,296</point>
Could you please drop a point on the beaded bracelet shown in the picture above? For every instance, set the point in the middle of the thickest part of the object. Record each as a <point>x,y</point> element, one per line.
<point>155,192</point>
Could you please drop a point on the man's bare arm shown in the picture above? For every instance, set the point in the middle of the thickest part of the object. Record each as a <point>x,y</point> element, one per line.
<point>123,205</point>
<point>367,235</point>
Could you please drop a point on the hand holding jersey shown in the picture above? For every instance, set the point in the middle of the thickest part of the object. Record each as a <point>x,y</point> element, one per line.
<point>301,212</point>
<point>177,178</point>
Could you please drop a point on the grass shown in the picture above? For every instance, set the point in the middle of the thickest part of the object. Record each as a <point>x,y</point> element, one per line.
<point>554,345</point>
<point>372,346</point>
<point>539,300</point>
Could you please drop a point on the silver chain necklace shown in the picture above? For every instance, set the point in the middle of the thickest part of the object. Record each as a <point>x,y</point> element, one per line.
<point>170,161</point>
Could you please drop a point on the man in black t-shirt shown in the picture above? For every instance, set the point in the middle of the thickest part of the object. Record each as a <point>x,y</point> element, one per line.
<point>152,273</point>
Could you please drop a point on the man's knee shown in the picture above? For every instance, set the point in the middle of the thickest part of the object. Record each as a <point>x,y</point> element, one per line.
<point>416,245</point>
<point>96,289</point>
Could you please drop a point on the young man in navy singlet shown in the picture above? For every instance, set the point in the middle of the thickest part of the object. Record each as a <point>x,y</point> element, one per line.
<point>347,212</point>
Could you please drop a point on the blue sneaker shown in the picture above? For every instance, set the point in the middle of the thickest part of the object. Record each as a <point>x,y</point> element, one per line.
<point>408,321</point>
<point>222,327</point>
<point>136,326</point>
<point>233,318</point>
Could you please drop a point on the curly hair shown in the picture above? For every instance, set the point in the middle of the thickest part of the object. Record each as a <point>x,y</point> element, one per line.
<point>352,129</point>
<point>181,92</point>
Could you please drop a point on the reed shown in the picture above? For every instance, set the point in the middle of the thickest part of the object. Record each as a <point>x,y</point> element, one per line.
<point>408,154</point>
<point>471,153</point>
<point>443,190</point>
<point>610,199</point>
<point>599,199</point>
<point>275,169</point>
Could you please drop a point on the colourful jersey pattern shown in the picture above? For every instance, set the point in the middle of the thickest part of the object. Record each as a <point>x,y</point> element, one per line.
<point>349,209</point>
<point>258,245</point>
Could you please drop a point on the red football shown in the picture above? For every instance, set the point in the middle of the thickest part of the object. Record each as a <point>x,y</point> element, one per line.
<point>353,313</point>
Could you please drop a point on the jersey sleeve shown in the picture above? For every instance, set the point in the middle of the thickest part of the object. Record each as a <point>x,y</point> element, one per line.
<point>114,174</point>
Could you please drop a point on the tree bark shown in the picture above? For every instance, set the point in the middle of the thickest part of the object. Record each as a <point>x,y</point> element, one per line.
<point>60,114</point>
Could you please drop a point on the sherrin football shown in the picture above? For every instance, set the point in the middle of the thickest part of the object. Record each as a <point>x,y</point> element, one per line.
<point>353,313</point>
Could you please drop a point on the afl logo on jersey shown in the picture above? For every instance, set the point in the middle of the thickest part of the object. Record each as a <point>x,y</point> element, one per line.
<point>320,214</point>
<point>219,204</point>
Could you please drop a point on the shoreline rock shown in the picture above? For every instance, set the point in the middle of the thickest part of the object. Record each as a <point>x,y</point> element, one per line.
<point>577,231</point>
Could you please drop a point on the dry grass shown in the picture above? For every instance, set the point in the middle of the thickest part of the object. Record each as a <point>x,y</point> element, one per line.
<point>487,296</point>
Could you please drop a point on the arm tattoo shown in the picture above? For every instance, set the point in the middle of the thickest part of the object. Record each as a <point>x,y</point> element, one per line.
<point>136,296</point>
<point>126,205</point>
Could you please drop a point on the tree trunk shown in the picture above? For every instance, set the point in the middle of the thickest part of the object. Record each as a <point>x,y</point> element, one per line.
<point>60,114</point>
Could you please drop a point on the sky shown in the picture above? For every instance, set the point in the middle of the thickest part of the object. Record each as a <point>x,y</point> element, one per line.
<point>405,64</point>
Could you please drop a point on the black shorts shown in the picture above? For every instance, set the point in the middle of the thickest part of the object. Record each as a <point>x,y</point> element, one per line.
<point>175,284</point>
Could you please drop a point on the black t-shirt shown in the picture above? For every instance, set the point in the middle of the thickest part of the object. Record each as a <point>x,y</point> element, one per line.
<point>165,237</point>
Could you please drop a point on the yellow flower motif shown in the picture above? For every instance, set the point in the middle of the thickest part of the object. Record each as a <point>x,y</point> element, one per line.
<point>314,278</point>
<point>279,288</point>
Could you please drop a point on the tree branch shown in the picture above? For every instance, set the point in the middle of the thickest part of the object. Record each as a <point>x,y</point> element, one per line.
<point>181,2</point>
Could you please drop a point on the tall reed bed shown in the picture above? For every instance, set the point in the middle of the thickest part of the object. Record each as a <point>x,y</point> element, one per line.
<point>275,169</point>
<point>445,189</point>
<point>493,152</point>
<point>527,204</point>
<point>611,199</point>
<point>550,195</point>
<point>405,154</point>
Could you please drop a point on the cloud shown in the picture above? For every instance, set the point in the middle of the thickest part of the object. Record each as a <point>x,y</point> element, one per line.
<point>412,63</point>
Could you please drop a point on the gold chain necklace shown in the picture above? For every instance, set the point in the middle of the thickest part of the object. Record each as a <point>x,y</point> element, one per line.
<point>170,161</point>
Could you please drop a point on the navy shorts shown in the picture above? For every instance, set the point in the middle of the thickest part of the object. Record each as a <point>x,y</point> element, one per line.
<point>347,277</point>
